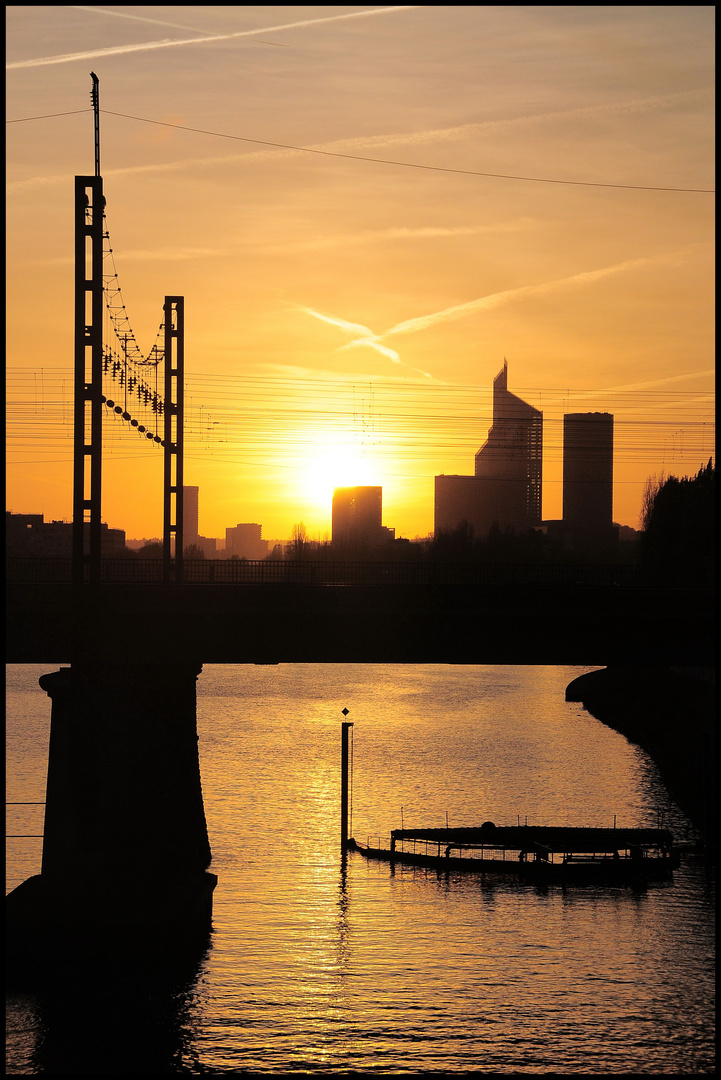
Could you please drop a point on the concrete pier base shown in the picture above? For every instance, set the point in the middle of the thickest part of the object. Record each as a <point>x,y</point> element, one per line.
<point>125,849</point>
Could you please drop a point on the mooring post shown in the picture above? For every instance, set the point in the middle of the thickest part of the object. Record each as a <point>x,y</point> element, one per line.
<point>344,784</point>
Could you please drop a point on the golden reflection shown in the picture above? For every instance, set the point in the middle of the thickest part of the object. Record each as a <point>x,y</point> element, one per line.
<point>343,950</point>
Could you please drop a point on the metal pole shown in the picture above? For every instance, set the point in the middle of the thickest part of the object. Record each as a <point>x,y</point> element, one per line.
<point>95,100</point>
<point>88,413</point>
<point>173,441</point>
<point>88,379</point>
<point>344,785</point>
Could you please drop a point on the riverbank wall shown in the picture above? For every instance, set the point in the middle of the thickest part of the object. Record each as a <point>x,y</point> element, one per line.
<point>669,713</point>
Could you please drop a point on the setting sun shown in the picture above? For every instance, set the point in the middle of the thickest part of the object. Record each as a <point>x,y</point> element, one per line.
<point>337,465</point>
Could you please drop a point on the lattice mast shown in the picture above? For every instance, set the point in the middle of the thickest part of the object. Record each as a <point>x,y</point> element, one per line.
<point>89,365</point>
<point>88,436</point>
<point>174,309</point>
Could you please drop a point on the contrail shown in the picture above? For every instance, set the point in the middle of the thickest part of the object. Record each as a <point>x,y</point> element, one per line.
<point>118,50</point>
<point>156,22</point>
<point>658,382</point>
<point>494,299</point>
<point>137,18</point>
<point>363,335</point>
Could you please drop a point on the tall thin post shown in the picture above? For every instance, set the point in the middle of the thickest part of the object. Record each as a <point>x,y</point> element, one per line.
<point>95,100</point>
<point>88,436</point>
<point>88,378</point>
<point>173,441</point>
<point>344,785</point>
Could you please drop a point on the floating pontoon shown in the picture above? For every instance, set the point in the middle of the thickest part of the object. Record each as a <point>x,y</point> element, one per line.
<point>544,854</point>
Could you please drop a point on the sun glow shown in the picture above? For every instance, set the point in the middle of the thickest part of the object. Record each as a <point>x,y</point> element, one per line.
<point>334,466</point>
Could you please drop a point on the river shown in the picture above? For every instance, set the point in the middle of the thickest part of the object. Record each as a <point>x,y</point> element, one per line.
<point>316,968</point>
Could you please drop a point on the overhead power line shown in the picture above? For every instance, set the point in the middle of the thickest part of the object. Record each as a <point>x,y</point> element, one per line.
<point>46,116</point>
<point>407,164</point>
<point>385,161</point>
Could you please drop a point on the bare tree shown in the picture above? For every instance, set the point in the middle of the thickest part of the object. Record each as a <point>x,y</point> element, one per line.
<point>298,540</point>
<point>650,490</point>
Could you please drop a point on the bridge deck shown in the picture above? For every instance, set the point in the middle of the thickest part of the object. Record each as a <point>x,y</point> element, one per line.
<point>423,623</point>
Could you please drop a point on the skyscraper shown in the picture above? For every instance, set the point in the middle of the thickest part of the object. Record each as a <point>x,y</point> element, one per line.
<point>190,516</point>
<point>588,471</point>
<point>245,541</point>
<point>513,452</point>
<point>357,516</point>
<point>506,488</point>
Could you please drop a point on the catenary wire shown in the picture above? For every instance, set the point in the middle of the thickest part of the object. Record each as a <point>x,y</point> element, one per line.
<point>382,161</point>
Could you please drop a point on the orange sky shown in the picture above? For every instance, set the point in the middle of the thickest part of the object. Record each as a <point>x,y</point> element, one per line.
<point>345,317</point>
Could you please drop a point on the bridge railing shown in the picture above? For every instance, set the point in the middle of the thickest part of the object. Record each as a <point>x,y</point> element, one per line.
<point>315,572</point>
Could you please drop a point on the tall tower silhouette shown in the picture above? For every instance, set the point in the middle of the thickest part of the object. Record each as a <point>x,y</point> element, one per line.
<point>588,470</point>
<point>506,488</point>
<point>190,515</point>
<point>357,514</point>
<point>513,452</point>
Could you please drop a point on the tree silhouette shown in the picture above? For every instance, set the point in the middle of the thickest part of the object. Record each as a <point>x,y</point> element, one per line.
<point>678,540</point>
<point>151,551</point>
<point>298,540</point>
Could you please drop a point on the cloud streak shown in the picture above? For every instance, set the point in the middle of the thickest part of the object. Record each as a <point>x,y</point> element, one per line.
<point>369,142</point>
<point>167,43</point>
<point>397,233</point>
<point>486,303</point>
<point>155,22</point>
<point>137,18</point>
<point>363,335</point>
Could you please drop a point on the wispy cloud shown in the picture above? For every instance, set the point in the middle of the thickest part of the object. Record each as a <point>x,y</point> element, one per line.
<point>296,372</point>
<point>423,232</point>
<point>492,300</point>
<point>649,385</point>
<point>165,255</point>
<point>137,18</point>
<point>170,255</point>
<point>166,43</point>
<point>657,382</point>
<point>155,22</point>
<point>402,138</point>
<point>363,335</point>
<point>488,127</point>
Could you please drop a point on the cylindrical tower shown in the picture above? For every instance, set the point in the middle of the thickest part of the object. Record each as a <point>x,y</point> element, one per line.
<point>588,470</point>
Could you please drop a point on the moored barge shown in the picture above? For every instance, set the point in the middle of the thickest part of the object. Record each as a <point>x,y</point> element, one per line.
<point>543,854</point>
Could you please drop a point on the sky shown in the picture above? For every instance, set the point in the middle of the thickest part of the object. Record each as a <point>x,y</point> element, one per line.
<point>367,210</point>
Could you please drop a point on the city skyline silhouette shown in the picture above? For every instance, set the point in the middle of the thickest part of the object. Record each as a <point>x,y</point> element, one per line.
<point>368,265</point>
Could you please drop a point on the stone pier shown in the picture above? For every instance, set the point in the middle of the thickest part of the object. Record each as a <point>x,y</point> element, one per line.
<point>125,847</point>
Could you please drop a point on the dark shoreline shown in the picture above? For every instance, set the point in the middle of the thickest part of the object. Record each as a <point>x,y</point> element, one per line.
<point>670,714</point>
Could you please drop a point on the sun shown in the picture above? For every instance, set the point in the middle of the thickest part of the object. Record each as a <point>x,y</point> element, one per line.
<point>336,466</point>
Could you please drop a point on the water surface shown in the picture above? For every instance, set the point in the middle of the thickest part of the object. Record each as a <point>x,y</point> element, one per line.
<point>324,968</point>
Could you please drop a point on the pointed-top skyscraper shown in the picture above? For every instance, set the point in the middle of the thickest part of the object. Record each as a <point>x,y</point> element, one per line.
<point>513,452</point>
<point>506,488</point>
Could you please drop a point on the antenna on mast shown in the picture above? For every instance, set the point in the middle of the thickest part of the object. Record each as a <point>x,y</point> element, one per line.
<point>95,99</point>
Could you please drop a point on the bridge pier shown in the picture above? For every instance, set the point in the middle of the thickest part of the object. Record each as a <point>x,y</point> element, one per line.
<point>125,846</point>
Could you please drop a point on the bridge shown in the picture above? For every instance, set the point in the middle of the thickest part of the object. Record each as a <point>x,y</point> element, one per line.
<point>314,612</point>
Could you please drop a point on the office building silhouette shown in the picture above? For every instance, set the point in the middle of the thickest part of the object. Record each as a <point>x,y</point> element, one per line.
<point>357,515</point>
<point>588,481</point>
<point>190,516</point>
<point>244,540</point>
<point>513,452</point>
<point>506,488</point>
